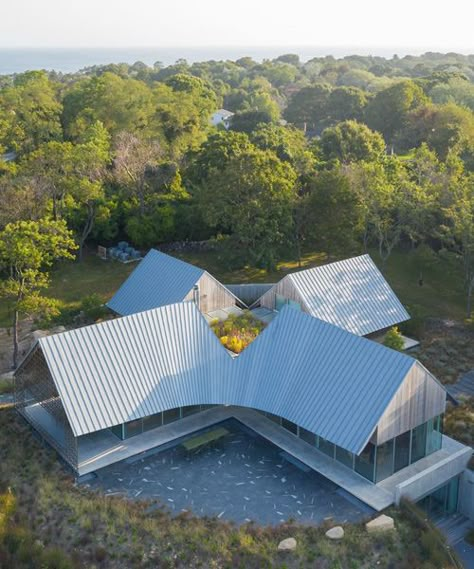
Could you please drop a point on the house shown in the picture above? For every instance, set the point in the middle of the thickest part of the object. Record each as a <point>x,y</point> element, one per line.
<point>364,415</point>
<point>351,294</point>
<point>223,117</point>
<point>161,279</point>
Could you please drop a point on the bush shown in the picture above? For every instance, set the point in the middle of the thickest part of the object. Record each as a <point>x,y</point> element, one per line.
<point>237,332</point>
<point>6,386</point>
<point>93,307</point>
<point>393,339</point>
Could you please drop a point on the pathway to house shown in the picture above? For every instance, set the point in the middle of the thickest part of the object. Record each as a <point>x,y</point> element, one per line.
<point>231,472</point>
<point>454,528</point>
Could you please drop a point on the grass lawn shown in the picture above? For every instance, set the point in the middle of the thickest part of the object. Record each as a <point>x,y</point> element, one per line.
<point>441,295</point>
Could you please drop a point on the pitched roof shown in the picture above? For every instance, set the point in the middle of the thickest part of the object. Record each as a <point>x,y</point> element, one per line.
<point>352,294</point>
<point>158,280</point>
<point>312,373</point>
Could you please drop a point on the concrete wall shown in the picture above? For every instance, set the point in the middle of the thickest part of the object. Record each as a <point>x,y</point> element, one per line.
<point>466,494</point>
<point>427,481</point>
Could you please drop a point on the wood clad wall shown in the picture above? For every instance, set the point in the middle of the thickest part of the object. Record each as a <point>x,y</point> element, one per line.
<point>213,295</point>
<point>418,399</point>
<point>285,288</point>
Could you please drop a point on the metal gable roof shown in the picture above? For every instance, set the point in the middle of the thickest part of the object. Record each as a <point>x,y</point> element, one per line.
<point>158,280</point>
<point>135,366</point>
<point>352,294</point>
<point>310,372</point>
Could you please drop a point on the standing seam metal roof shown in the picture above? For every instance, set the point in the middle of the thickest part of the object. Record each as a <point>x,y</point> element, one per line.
<point>159,279</point>
<point>315,374</point>
<point>352,294</point>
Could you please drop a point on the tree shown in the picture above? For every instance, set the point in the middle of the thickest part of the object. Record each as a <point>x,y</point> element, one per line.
<point>346,103</point>
<point>248,121</point>
<point>459,231</point>
<point>288,143</point>
<point>27,250</point>
<point>351,141</point>
<point>393,339</point>
<point>388,111</point>
<point>379,197</point>
<point>252,199</point>
<point>32,110</point>
<point>118,103</point>
<point>308,108</point>
<point>331,212</point>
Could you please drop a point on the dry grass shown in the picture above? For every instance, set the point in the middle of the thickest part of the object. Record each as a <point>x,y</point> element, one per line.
<point>59,525</point>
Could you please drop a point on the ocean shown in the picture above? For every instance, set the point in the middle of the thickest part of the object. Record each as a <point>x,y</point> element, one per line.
<point>69,60</point>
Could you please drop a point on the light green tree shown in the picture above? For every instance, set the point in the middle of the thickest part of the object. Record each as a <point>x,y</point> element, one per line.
<point>393,339</point>
<point>27,251</point>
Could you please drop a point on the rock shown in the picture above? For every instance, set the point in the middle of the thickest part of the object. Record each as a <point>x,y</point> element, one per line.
<point>37,334</point>
<point>382,523</point>
<point>336,532</point>
<point>287,544</point>
<point>57,330</point>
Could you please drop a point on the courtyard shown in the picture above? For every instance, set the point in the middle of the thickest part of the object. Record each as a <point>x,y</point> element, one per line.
<point>230,472</point>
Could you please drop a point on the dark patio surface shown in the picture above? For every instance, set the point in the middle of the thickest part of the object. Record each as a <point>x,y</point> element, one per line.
<point>240,476</point>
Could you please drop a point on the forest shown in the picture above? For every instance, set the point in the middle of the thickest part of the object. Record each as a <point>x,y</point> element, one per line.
<point>334,155</point>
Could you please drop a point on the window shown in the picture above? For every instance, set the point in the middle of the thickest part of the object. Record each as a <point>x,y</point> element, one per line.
<point>433,435</point>
<point>289,426</point>
<point>384,461</point>
<point>152,421</point>
<point>344,457</point>
<point>274,418</point>
<point>280,302</point>
<point>418,443</point>
<point>133,428</point>
<point>191,409</point>
<point>326,447</point>
<point>171,415</point>
<point>365,462</point>
<point>117,430</point>
<point>402,451</point>
<point>307,436</point>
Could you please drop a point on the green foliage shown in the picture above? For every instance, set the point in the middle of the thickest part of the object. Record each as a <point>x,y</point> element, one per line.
<point>251,197</point>
<point>393,339</point>
<point>27,250</point>
<point>388,111</point>
<point>93,307</point>
<point>351,141</point>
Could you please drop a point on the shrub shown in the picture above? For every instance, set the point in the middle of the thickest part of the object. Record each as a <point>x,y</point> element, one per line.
<point>237,332</point>
<point>93,307</point>
<point>393,339</point>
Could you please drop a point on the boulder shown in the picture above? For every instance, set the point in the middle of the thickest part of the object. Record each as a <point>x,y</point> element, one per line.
<point>380,524</point>
<point>288,544</point>
<point>58,330</point>
<point>336,532</point>
<point>37,334</point>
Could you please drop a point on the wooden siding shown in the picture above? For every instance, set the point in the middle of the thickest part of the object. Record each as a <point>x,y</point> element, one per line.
<point>418,399</point>
<point>212,294</point>
<point>285,288</point>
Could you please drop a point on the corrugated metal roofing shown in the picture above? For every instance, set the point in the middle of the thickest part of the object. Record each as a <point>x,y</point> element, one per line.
<point>351,294</point>
<point>312,373</point>
<point>158,280</point>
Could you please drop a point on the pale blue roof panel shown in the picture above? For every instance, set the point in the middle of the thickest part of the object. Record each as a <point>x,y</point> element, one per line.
<point>158,280</point>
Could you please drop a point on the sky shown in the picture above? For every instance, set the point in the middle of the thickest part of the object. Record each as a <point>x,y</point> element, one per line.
<point>417,24</point>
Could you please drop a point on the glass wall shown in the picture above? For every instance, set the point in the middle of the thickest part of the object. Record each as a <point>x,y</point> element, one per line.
<point>384,463</point>
<point>139,426</point>
<point>418,443</point>
<point>365,462</point>
<point>443,501</point>
<point>402,451</point>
